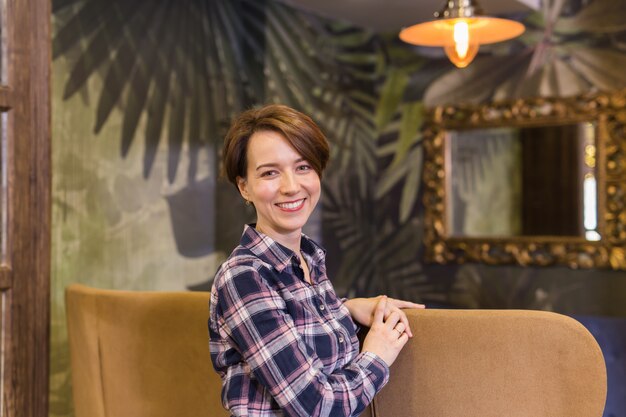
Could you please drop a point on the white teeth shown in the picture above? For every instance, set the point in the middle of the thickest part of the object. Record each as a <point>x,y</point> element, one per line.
<point>291,206</point>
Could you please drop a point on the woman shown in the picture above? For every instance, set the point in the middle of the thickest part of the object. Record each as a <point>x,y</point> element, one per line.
<point>281,340</point>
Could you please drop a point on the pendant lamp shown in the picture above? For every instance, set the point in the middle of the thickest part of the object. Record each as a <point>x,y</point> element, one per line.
<point>460,28</point>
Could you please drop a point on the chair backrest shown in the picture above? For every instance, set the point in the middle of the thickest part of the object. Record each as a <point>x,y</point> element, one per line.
<point>141,354</point>
<point>145,354</point>
<point>488,363</point>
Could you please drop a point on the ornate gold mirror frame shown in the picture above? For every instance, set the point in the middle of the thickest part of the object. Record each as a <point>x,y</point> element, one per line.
<point>608,113</point>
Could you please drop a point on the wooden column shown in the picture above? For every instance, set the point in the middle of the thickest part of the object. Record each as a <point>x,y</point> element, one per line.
<point>25,207</point>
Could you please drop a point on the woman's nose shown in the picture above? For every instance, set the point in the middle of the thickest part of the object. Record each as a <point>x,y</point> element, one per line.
<point>289,183</point>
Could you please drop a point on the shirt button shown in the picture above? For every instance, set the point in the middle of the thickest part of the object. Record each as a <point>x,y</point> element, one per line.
<point>322,307</point>
<point>340,339</point>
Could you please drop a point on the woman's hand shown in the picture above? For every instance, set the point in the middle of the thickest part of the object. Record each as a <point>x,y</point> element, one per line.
<point>362,310</point>
<point>387,336</point>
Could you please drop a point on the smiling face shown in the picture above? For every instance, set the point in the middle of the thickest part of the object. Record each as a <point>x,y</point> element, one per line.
<point>283,187</point>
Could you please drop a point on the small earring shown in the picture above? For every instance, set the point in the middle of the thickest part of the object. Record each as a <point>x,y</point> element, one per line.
<point>248,203</point>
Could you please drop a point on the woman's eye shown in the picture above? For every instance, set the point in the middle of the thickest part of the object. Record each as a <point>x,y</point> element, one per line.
<point>304,167</point>
<point>268,173</point>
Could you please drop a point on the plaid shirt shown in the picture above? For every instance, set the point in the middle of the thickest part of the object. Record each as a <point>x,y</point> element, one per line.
<point>281,345</point>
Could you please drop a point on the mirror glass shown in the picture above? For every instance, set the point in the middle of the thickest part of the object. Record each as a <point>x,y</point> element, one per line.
<point>522,181</point>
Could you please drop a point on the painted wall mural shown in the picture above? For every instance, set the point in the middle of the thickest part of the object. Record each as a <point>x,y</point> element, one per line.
<point>143,93</point>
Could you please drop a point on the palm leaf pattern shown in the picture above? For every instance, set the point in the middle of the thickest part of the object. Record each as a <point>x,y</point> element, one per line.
<point>379,256</point>
<point>216,58</point>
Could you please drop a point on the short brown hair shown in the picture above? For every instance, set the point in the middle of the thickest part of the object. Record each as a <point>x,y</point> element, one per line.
<point>298,128</point>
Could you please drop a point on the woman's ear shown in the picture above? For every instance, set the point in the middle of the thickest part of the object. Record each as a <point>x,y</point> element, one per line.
<point>243,188</point>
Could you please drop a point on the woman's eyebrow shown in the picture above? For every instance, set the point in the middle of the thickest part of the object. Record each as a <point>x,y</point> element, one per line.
<point>268,165</point>
<point>276,164</point>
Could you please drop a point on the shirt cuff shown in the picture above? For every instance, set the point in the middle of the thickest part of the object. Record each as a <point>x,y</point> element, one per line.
<point>377,367</point>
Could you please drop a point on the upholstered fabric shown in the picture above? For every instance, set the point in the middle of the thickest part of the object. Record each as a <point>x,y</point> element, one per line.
<point>494,363</point>
<point>145,354</point>
<point>141,354</point>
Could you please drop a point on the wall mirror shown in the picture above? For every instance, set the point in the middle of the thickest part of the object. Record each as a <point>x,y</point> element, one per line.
<point>532,182</point>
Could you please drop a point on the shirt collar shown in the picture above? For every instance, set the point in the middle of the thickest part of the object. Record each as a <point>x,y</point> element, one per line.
<point>275,254</point>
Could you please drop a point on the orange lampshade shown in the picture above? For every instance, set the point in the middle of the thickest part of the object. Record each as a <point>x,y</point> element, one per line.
<point>460,29</point>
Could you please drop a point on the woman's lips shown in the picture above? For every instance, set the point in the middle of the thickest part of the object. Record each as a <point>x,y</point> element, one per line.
<point>291,205</point>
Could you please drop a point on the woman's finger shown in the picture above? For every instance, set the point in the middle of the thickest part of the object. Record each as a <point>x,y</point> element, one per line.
<point>389,309</point>
<point>401,314</point>
<point>400,327</point>
<point>393,319</point>
<point>379,312</point>
<point>403,338</point>
<point>405,320</point>
<point>405,304</point>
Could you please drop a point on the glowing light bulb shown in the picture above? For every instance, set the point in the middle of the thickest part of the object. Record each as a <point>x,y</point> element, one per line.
<point>462,51</point>
<point>461,38</point>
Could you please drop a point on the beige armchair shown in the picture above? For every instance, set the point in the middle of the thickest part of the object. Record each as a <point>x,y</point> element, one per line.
<point>145,354</point>
<point>141,354</point>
